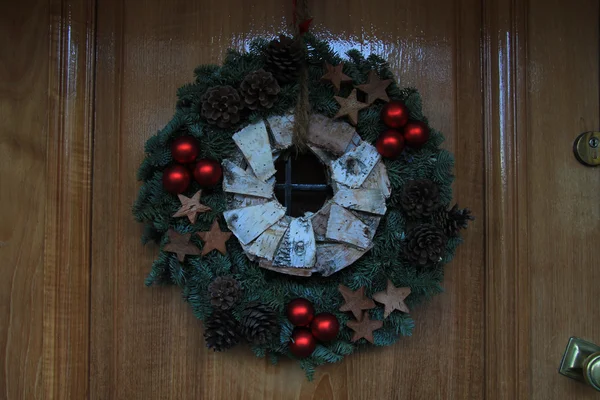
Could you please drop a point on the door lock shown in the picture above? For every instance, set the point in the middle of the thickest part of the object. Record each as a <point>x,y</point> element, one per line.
<point>587,148</point>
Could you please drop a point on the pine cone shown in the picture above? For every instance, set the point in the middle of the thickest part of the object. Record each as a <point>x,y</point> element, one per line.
<point>224,292</point>
<point>259,89</point>
<point>453,220</point>
<point>424,245</point>
<point>221,106</point>
<point>221,331</point>
<point>259,323</point>
<point>283,58</point>
<point>420,198</point>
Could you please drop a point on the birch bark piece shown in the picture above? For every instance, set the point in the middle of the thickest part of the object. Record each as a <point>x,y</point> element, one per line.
<point>329,135</point>
<point>282,128</point>
<point>319,222</point>
<point>378,179</point>
<point>353,167</point>
<point>367,200</point>
<point>241,201</point>
<point>253,141</point>
<point>298,247</point>
<point>344,227</point>
<point>249,222</point>
<point>370,220</point>
<point>284,270</point>
<point>266,244</point>
<point>236,180</point>
<point>323,156</point>
<point>333,257</point>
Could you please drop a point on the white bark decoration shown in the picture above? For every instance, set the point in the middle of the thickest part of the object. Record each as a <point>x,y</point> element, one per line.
<point>241,201</point>
<point>266,244</point>
<point>335,236</point>
<point>323,156</point>
<point>353,167</point>
<point>344,227</point>
<point>266,264</point>
<point>253,141</point>
<point>370,220</point>
<point>319,221</point>
<point>332,257</point>
<point>282,128</point>
<point>327,134</point>
<point>236,180</point>
<point>378,179</point>
<point>367,200</point>
<point>298,247</point>
<point>249,222</point>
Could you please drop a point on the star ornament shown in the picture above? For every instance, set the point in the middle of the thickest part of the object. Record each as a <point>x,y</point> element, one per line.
<point>335,75</point>
<point>180,244</point>
<point>355,301</point>
<point>214,239</point>
<point>364,328</point>
<point>375,88</point>
<point>349,106</point>
<point>392,298</point>
<point>191,207</point>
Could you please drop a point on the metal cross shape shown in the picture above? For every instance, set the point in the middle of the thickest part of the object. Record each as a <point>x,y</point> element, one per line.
<point>289,186</point>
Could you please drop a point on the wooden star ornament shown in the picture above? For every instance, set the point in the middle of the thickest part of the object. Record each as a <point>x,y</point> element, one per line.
<point>191,207</point>
<point>214,239</point>
<point>349,106</point>
<point>335,75</point>
<point>180,244</point>
<point>392,298</point>
<point>355,301</point>
<point>375,88</point>
<point>364,328</point>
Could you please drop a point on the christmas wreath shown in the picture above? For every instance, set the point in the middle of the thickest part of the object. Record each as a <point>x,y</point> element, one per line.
<point>318,286</point>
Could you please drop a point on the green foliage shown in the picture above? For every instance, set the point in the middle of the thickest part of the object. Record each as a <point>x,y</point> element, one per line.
<point>155,207</point>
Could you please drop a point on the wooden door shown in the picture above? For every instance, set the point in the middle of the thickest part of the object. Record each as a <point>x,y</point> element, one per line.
<point>510,83</point>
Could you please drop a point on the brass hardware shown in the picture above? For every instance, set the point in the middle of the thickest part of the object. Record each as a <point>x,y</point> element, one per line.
<point>581,362</point>
<point>587,148</point>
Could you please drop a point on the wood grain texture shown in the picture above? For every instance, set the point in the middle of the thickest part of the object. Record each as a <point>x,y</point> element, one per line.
<point>68,195</point>
<point>145,342</point>
<point>507,291</point>
<point>75,119</point>
<point>542,207</point>
<point>563,196</point>
<point>23,112</point>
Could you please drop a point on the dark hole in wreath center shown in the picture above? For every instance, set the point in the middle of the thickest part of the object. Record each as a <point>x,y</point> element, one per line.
<point>301,183</point>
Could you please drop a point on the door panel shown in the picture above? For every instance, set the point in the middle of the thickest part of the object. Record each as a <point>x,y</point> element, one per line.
<point>511,83</point>
<point>145,342</point>
<point>563,196</point>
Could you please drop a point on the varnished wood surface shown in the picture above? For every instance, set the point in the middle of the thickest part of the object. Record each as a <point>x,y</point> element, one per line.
<point>142,57</point>
<point>23,131</point>
<point>510,83</point>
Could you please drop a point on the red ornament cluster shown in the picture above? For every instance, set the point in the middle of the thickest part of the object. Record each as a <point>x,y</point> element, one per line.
<point>395,115</point>
<point>309,327</point>
<point>177,177</point>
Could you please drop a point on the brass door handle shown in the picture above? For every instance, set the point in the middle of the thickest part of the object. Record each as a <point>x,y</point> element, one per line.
<point>581,362</point>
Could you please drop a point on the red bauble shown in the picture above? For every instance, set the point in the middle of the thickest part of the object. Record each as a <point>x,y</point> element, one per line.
<point>302,343</point>
<point>390,144</point>
<point>416,134</point>
<point>300,312</point>
<point>394,114</point>
<point>207,172</point>
<point>176,179</point>
<point>325,326</point>
<point>184,149</point>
